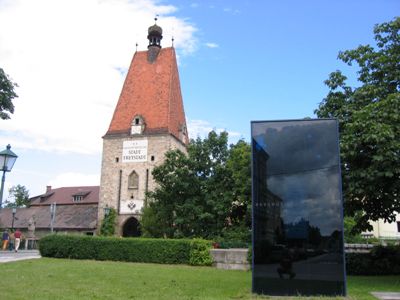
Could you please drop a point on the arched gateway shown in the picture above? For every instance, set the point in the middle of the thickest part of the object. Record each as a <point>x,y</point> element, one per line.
<point>131,228</point>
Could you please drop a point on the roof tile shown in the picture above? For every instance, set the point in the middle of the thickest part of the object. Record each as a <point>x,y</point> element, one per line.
<point>64,195</point>
<point>152,90</point>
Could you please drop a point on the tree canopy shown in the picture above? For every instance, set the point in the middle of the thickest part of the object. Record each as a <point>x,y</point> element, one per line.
<point>18,196</point>
<point>369,118</point>
<point>7,94</point>
<point>203,193</point>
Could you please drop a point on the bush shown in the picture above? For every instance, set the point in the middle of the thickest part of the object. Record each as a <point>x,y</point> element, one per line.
<point>163,251</point>
<point>200,253</point>
<point>108,225</point>
<point>380,261</point>
<point>223,244</point>
<point>234,237</point>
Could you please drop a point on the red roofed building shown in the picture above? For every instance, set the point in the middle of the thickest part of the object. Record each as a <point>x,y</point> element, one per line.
<point>148,120</point>
<point>76,211</point>
<point>74,195</point>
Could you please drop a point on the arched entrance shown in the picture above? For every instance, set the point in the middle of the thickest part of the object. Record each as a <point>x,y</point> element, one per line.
<point>131,228</point>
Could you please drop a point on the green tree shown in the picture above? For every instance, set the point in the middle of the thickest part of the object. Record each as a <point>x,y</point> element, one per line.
<point>369,119</point>
<point>196,194</point>
<point>7,94</point>
<point>18,196</point>
<point>350,236</point>
<point>239,165</point>
<point>108,224</point>
<point>168,209</point>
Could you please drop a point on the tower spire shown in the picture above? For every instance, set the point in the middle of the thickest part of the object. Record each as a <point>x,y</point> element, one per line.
<point>155,37</point>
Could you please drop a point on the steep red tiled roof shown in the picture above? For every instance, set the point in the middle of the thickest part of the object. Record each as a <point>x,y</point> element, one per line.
<point>151,90</point>
<point>64,195</point>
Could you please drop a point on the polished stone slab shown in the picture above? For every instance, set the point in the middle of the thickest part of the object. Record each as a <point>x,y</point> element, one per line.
<point>297,209</point>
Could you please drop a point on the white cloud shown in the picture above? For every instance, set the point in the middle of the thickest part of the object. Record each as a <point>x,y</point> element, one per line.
<point>201,128</point>
<point>74,179</point>
<point>69,59</point>
<point>212,45</point>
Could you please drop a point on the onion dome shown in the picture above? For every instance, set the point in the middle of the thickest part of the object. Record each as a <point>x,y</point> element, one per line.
<point>155,35</point>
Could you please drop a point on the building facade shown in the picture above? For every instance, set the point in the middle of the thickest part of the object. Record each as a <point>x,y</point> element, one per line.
<point>61,210</point>
<point>385,230</point>
<point>148,121</point>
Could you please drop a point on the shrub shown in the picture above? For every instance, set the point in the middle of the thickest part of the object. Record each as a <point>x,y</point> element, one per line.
<point>200,253</point>
<point>223,244</point>
<point>163,251</point>
<point>108,225</point>
<point>380,261</point>
<point>234,237</point>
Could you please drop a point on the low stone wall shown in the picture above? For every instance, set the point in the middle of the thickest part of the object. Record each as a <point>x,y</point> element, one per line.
<point>358,248</point>
<point>230,259</point>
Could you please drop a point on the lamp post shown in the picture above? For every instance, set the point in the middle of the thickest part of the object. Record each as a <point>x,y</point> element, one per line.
<point>7,160</point>
<point>52,215</point>
<point>14,211</point>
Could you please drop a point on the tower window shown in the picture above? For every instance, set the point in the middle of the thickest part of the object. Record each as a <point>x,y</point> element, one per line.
<point>117,159</point>
<point>152,158</point>
<point>133,181</point>
<point>137,125</point>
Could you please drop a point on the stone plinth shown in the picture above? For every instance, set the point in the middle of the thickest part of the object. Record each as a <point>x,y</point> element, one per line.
<point>230,259</point>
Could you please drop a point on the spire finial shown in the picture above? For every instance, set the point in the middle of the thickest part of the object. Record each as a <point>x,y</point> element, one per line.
<point>155,19</point>
<point>154,37</point>
<point>136,46</point>
<point>172,41</point>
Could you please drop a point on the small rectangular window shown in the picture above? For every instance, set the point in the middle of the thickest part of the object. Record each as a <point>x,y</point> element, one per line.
<point>78,198</point>
<point>398,226</point>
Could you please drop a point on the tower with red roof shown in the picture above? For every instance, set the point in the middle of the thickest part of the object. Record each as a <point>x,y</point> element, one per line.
<point>149,120</point>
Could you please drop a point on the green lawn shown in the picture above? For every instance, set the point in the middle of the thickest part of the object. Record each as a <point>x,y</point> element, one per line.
<point>82,279</point>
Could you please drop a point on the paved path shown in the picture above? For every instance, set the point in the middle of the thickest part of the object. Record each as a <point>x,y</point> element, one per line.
<point>9,256</point>
<point>386,295</point>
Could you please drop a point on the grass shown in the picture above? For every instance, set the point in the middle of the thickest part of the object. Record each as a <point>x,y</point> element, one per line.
<point>83,279</point>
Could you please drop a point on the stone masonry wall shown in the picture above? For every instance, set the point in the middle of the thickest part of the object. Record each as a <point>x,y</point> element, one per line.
<point>131,200</point>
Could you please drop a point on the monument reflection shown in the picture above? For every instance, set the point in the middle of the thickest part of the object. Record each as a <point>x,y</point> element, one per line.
<point>297,208</point>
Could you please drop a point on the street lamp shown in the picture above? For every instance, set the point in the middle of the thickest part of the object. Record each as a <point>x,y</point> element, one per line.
<point>7,160</point>
<point>14,211</point>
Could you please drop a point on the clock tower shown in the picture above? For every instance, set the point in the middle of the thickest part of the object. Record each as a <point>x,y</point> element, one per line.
<point>148,120</point>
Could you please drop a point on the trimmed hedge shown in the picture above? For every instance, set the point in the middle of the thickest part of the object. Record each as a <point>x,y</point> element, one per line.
<point>145,250</point>
<point>380,261</point>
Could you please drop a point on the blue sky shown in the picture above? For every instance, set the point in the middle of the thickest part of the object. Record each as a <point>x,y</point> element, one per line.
<point>238,61</point>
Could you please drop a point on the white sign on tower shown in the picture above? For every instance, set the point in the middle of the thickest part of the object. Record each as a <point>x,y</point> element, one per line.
<point>134,151</point>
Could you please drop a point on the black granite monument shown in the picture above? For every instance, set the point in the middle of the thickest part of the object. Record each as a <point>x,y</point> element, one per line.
<point>297,208</point>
